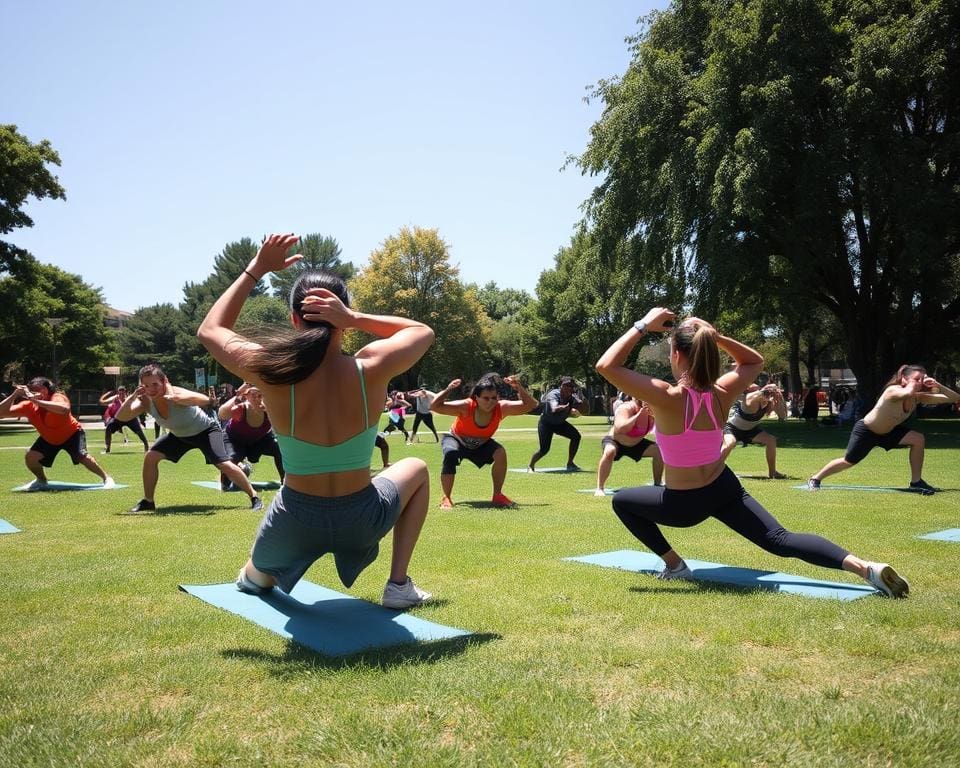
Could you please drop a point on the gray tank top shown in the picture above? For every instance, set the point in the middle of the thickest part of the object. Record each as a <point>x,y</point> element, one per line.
<point>184,420</point>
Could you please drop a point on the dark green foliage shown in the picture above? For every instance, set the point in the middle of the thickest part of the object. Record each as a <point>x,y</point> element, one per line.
<point>319,252</point>
<point>806,148</point>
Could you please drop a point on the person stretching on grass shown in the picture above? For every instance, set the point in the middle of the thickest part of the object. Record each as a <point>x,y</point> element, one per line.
<point>49,412</point>
<point>188,425</point>
<point>632,422</point>
<point>325,405</point>
<point>690,436</point>
<point>743,424</point>
<point>471,436</point>
<point>559,405</point>
<point>249,432</point>
<point>113,400</point>
<point>884,425</point>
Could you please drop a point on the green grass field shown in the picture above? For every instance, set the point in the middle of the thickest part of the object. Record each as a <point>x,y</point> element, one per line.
<point>103,662</point>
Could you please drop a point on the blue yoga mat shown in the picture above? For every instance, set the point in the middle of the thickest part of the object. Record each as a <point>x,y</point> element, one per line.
<point>646,562</point>
<point>870,488</point>
<point>260,485</point>
<point>55,485</point>
<point>323,619</point>
<point>951,534</point>
<point>6,527</point>
<point>606,491</point>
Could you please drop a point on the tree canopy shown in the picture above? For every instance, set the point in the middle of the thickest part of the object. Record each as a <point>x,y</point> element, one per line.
<point>319,252</point>
<point>410,275</point>
<point>809,147</point>
<point>23,174</point>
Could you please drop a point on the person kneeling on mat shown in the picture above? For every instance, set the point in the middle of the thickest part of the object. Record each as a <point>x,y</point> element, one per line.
<point>471,436</point>
<point>188,426</point>
<point>324,405</point>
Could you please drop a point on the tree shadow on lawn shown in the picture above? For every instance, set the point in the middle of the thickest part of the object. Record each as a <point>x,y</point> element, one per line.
<point>491,508</point>
<point>179,509</point>
<point>298,659</point>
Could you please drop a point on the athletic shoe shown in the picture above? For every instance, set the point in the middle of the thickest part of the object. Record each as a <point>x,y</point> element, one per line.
<point>445,503</point>
<point>246,468</point>
<point>109,483</point>
<point>499,500</point>
<point>225,483</point>
<point>683,572</point>
<point>245,584</point>
<point>887,580</point>
<point>37,485</point>
<point>404,595</point>
<point>256,504</point>
<point>143,506</point>
<point>923,487</point>
<point>813,484</point>
<point>571,467</point>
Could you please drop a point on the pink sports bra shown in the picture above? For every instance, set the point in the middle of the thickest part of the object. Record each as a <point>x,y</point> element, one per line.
<point>693,447</point>
<point>638,431</point>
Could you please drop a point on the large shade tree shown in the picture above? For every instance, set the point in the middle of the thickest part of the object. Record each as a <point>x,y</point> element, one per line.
<point>410,275</point>
<point>23,174</point>
<point>150,336</point>
<point>816,135</point>
<point>318,252</point>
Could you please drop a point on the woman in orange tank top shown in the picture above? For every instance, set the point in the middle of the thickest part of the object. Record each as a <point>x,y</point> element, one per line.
<point>471,436</point>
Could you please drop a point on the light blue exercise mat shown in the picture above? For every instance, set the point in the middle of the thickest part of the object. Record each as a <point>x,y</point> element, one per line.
<point>606,491</point>
<point>54,486</point>
<point>717,573</point>
<point>869,488</point>
<point>951,534</point>
<point>260,485</point>
<point>6,527</point>
<point>325,620</point>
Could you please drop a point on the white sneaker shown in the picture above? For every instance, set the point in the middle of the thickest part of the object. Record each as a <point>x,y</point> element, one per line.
<point>404,595</point>
<point>37,485</point>
<point>887,580</point>
<point>109,483</point>
<point>683,572</point>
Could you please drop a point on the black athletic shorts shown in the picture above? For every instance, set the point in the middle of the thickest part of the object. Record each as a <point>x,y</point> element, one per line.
<point>863,440</point>
<point>454,452</point>
<point>634,452</point>
<point>263,446</point>
<point>210,442</point>
<point>75,446</point>
<point>744,436</point>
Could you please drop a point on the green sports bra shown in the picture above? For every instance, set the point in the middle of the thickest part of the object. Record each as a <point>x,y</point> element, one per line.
<point>304,458</point>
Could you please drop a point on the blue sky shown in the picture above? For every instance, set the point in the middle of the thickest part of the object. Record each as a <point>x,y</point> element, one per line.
<point>182,126</point>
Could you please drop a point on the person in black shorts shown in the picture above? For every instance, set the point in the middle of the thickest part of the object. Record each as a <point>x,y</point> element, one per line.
<point>559,405</point>
<point>743,424</point>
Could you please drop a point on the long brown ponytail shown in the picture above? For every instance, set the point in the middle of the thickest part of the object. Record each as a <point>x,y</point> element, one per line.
<point>289,355</point>
<point>699,344</point>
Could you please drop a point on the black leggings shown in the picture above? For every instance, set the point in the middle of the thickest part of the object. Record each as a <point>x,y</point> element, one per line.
<point>640,509</point>
<point>426,418</point>
<point>545,433</point>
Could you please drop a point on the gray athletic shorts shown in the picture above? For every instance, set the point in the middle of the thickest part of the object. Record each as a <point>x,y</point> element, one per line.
<point>299,529</point>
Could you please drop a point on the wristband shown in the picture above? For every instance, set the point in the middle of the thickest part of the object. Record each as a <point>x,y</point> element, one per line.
<point>250,274</point>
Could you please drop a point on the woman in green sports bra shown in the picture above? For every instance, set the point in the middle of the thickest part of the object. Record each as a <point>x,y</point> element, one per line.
<point>324,406</point>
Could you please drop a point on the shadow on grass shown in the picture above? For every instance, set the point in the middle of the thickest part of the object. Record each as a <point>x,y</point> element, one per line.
<point>180,509</point>
<point>298,659</point>
<point>490,507</point>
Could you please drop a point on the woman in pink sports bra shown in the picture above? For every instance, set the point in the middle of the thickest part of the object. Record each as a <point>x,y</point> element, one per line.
<point>689,427</point>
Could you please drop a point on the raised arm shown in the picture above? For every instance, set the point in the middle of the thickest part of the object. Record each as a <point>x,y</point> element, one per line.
<point>612,364</point>
<point>941,395</point>
<point>181,396</point>
<point>10,400</point>
<point>135,404</point>
<point>54,406</point>
<point>525,404</point>
<point>439,403</point>
<point>216,331</point>
<point>107,397</point>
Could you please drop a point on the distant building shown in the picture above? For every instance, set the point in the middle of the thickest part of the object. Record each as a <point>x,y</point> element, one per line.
<point>116,318</point>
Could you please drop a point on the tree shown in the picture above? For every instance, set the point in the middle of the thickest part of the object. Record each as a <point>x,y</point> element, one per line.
<point>410,275</point>
<point>40,291</point>
<point>23,174</point>
<point>587,301</point>
<point>150,336</point>
<point>815,134</point>
<point>500,303</point>
<point>319,252</point>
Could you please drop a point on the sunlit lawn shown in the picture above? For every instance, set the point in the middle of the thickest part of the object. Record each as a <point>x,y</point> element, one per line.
<point>103,662</point>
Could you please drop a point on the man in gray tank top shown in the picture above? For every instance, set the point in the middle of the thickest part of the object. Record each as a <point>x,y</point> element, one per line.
<point>188,426</point>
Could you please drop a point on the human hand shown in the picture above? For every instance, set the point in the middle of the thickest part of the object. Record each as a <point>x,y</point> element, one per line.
<point>703,323</point>
<point>323,306</point>
<point>512,381</point>
<point>272,256</point>
<point>455,384</point>
<point>659,319</point>
<point>574,413</point>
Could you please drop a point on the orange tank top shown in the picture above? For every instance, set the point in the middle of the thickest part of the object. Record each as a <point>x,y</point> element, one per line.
<point>464,425</point>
